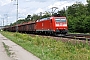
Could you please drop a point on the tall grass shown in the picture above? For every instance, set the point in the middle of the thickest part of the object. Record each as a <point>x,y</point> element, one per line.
<point>50,49</point>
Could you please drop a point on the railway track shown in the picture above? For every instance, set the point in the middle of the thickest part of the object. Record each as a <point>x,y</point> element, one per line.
<point>73,36</point>
<point>78,36</point>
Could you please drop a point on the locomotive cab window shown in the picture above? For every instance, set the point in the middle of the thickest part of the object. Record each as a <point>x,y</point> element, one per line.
<point>60,19</point>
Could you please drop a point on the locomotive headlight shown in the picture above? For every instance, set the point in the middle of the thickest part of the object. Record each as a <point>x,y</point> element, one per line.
<point>64,24</point>
<point>56,28</point>
<point>57,24</point>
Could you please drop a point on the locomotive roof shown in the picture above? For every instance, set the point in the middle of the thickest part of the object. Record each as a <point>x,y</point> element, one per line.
<point>48,18</point>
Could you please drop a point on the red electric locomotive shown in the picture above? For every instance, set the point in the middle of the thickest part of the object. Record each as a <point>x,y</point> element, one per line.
<point>52,25</point>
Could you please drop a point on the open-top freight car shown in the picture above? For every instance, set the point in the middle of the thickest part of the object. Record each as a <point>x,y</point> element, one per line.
<point>28,27</point>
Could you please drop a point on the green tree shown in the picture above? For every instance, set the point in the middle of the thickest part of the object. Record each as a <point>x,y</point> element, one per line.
<point>46,14</point>
<point>88,7</point>
<point>87,24</point>
<point>28,18</point>
<point>76,16</point>
<point>35,17</point>
<point>62,12</point>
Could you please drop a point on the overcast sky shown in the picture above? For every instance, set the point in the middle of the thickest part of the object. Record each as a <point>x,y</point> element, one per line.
<point>8,8</point>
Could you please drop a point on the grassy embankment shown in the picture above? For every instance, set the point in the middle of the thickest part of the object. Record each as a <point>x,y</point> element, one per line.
<point>49,49</point>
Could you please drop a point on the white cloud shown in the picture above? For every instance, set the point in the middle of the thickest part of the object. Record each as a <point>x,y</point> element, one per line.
<point>4,2</point>
<point>39,10</point>
<point>22,10</point>
<point>61,4</point>
<point>37,0</point>
<point>0,16</point>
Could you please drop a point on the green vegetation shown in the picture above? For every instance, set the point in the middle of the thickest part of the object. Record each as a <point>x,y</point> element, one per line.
<point>78,17</point>
<point>7,49</point>
<point>50,49</point>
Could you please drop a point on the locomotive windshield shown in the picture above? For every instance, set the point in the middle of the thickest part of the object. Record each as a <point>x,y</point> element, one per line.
<point>60,19</point>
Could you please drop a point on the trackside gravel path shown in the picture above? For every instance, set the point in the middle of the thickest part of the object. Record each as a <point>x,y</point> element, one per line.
<point>3,55</point>
<point>17,52</point>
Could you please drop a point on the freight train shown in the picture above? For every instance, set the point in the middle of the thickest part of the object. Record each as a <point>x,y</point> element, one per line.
<point>49,25</point>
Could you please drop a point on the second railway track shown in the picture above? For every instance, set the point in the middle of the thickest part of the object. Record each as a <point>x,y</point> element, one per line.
<point>78,36</point>
<point>73,36</point>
